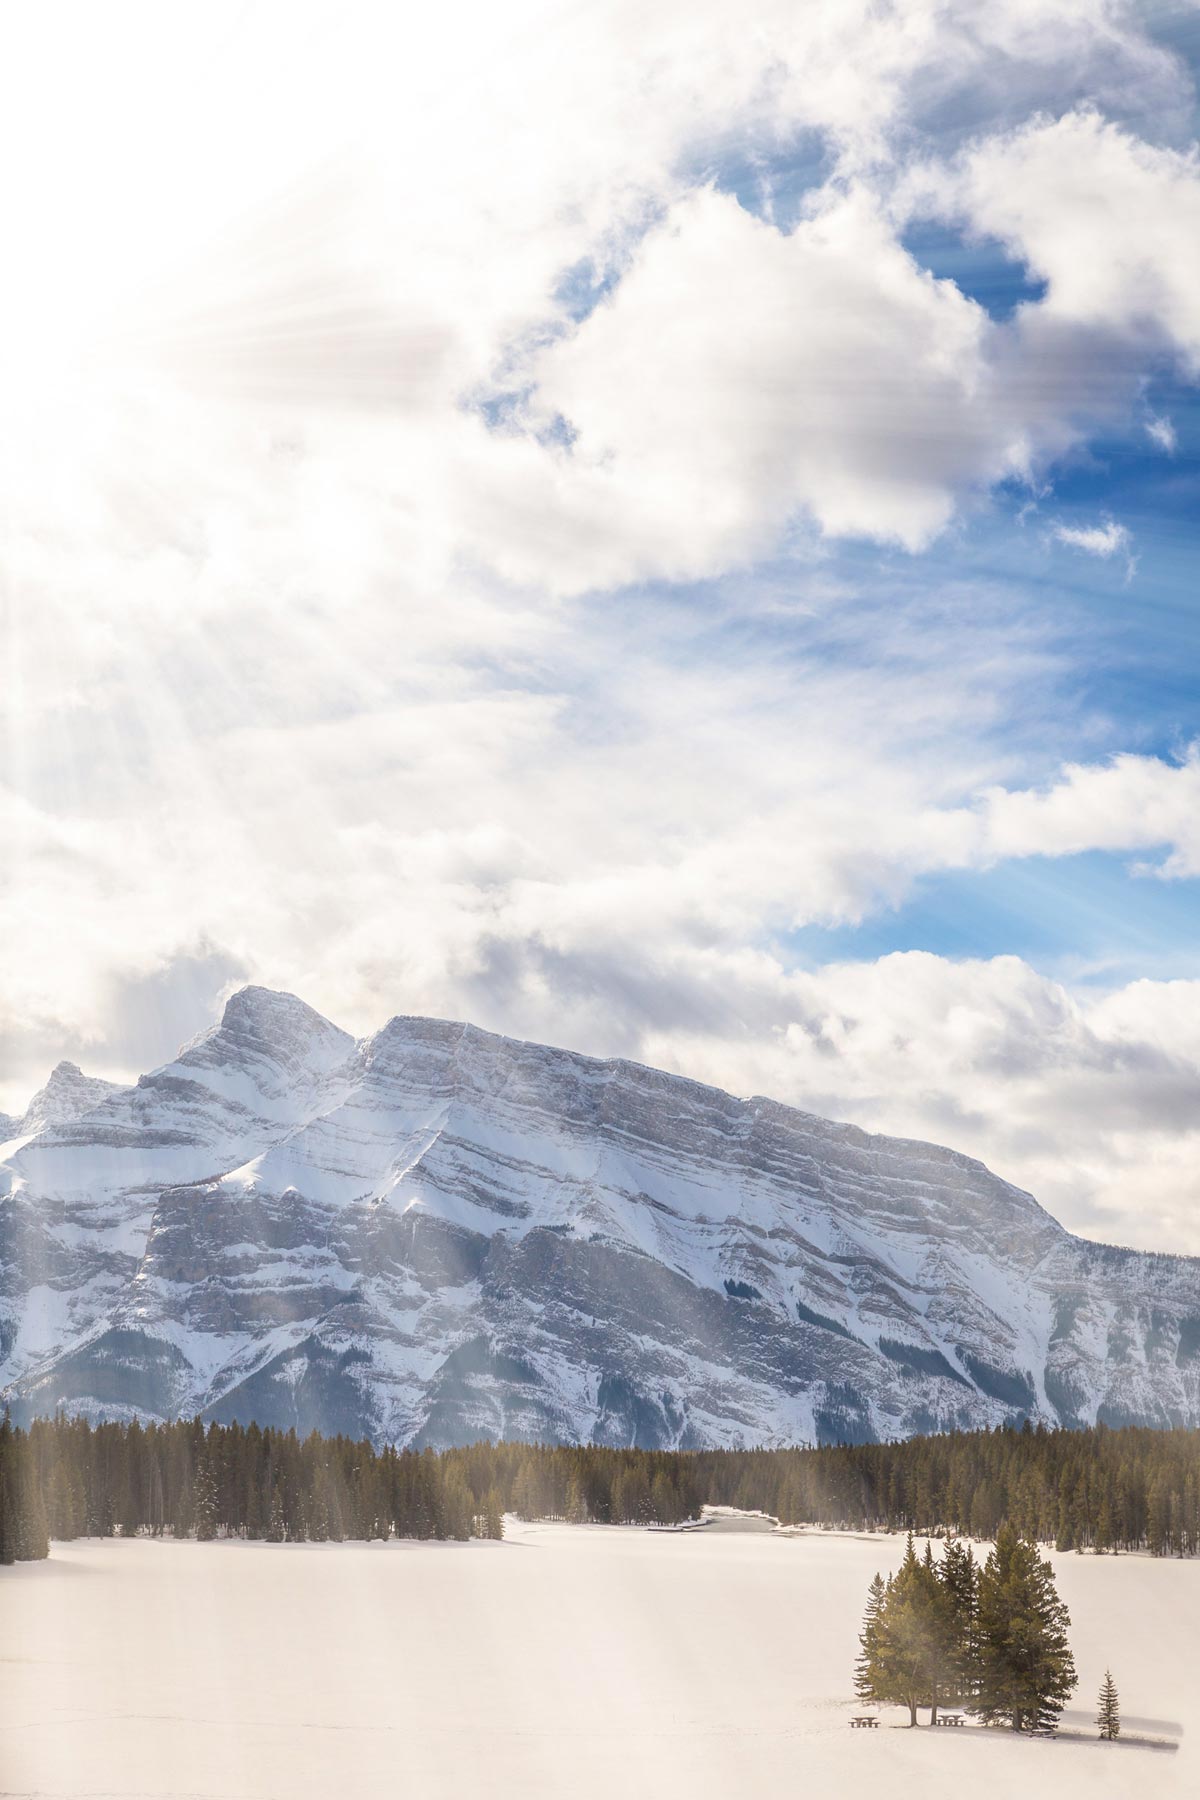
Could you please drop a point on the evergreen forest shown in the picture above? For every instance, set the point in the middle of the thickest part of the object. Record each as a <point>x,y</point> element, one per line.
<point>1099,1489</point>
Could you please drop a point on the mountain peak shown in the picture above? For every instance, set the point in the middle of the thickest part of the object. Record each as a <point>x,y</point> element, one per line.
<point>67,1095</point>
<point>440,1232</point>
<point>252,1005</point>
<point>268,1021</point>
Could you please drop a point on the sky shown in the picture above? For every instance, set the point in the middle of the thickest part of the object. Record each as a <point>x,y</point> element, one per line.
<point>670,531</point>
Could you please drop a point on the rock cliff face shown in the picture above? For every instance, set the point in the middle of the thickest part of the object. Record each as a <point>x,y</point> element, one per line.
<point>436,1235</point>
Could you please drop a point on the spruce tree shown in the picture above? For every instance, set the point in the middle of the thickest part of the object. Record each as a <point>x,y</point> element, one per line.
<point>204,1503</point>
<point>576,1505</point>
<point>276,1530</point>
<point>1108,1716</point>
<point>868,1670</point>
<point>458,1507</point>
<point>907,1649</point>
<point>8,1492</point>
<point>33,1538</point>
<point>1026,1671</point>
<point>959,1574</point>
<point>493,1514</point>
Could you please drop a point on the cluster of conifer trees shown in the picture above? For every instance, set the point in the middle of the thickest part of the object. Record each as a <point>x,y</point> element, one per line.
<point>1101,1489</point>
<point>23,1530</point>
<point>944,1632</point>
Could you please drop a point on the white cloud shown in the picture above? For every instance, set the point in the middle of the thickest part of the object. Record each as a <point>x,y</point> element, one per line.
<point>1104,540</point>
<point>589,829</point>
<point>819,371</point>
<point>295,684</point>
<point>1111,223</point>
<point>385,218</point>
<point>1162,432</point>
<point>1089,1102</point>
<point>1131,803</point>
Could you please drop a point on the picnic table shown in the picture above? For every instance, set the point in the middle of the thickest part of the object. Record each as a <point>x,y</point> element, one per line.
<point>861,1719</point>
<point>950,1719</point>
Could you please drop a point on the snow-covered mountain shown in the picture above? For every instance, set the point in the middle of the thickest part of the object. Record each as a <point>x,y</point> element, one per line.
<point>67,1095</point>
<point>437,1234</point>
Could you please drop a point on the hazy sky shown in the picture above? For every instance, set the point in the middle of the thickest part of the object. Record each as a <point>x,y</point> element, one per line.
<point>666,529</point>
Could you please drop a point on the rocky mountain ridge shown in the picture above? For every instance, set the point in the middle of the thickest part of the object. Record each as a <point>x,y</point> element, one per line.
<point>437,1234</point>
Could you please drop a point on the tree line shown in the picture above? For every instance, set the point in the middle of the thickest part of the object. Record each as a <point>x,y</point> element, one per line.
<point>1101,1489</point>
<point>992,1640</point>
<point>1096,1488</point>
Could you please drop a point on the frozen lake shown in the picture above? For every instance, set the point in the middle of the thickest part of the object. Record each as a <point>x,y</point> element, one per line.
<point>580,1661</point>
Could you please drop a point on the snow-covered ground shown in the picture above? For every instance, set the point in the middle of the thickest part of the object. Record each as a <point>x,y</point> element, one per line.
<point>572,1661</point>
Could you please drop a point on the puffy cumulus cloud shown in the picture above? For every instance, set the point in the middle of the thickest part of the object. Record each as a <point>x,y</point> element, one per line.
<point>817,371</point>
<point>407,221</point>
<point>1110,222</point>
<point>330,379</point>
<point>1131,803</point>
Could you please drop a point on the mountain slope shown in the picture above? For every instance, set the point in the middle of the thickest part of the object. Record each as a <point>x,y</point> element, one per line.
<point>437,1234</point>
<point>68,1094</point>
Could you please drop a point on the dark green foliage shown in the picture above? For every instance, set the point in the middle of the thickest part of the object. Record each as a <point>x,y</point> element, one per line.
<point>916,1637</point>
<point>1108,1713</point>
<point>908,1638</point>
<point>871,1655</point>
<point>1089,1489</point>
<point>490,1521</point>
<point>1025,1669</point>
<point>23,1526</point>
<point>810,1317</point>
<point>1094,1489</point>
<point>235,1481</point>
<point>959,1574</point>
<point>941,1633</point>
<point>205,1514</point>
<point>920,1361</point>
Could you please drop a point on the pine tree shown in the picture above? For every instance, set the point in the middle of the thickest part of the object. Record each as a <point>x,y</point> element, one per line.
<point>959,1575</point>
<point>1026,1671</point>
<point>1108,1716</point>
<point>493,1515</point>
<point>204,1503</point>
<point>276,1530</point>
<point>868,1670</point>
<point>526,1497</point>
<point>8,1492</point>
<point>907,1647</point>
<point>33,1538</point>
<point>458,1506</point>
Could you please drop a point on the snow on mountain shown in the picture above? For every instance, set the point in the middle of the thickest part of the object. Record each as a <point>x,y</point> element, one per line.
<point>68,1094</point>
<point>438,1234</point>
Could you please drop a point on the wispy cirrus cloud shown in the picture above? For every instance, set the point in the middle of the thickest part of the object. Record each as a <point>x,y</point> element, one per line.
<point>1109,539</point>
<point>1104,541</point>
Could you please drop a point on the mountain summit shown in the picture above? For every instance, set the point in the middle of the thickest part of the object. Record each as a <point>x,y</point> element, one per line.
<point>437,1234</point>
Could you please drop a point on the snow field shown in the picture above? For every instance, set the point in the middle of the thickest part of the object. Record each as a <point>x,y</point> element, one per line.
<point>580,1661</point>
